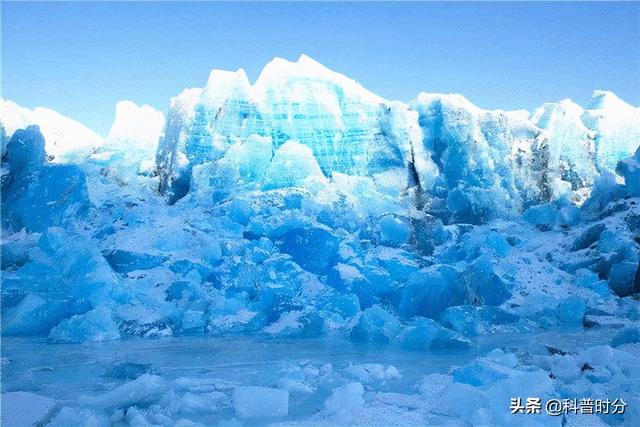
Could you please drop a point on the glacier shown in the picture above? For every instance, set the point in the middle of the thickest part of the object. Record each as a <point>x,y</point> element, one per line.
<point>302,251</point>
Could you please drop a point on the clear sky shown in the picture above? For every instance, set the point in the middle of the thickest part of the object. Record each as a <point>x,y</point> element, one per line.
<point>81,58</point>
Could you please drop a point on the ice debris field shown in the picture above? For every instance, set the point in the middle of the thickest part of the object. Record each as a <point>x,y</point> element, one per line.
<point>300,251</point>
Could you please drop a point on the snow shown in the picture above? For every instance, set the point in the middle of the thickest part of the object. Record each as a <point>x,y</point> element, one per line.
<point>66,139</point>
<point>139,124</point>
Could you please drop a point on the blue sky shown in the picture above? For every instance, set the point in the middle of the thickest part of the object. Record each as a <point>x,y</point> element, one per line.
<point>81,58</point>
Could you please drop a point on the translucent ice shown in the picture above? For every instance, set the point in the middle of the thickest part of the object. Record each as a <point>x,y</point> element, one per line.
<point>95,325</point>
<point>617,127</point>
<point>630,170</point>
<point>260,402</point>
<point>143,390</point>
<point>422,334</point>
<point>37,194</point>
<point>430,291</point>
<point>376,325</point>
<point>292,165</point>
<point>347,398</point>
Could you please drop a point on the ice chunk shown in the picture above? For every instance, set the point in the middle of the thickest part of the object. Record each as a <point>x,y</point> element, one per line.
<point>233,315</point>
<point>346,306</point>
<point>376,325</point>
<point>145,389</point>
<point>424,334</point>
<point>297,324</point>
<point>497,243</point>
<point>376,286</point>
<point>630,170</point>
<point>471,320</point>
<point>194,321</point>
<point>569,311</point>
<point>346,398</point>
<point>57,194</point>
<point>253,158</point>
<point>484,285</point>
<point>292,165</point>
<point>124,261</point>
<point>429,291</point>
<point>25,150</point>
<point>34,315</point>
<point>370,372</point>
<point>21,408</point>
<point>630,334</point>
<point>76,417</point>
<point>93,326</point>
<point>612,254</point>
<point>260,402</point>
<point>568,215</point>
<point>200,403</point>
<point>590,280</point>
<point>314,247</point>
<point>172,163</point>
<point>622,277</point>
<point>541,215</point>
<point>588,237</point>
<point>393,230</point>
<point>398,263</point>
<point>605,190</point>
<point>346,277</point>
<point>38,195</point>
<point>488,370</point>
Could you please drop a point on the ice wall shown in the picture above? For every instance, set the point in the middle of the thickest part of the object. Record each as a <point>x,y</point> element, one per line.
<point>349,129</point>
<point>459,162</point>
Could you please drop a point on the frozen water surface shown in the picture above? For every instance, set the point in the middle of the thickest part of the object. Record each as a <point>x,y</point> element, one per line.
<point>81,376</point>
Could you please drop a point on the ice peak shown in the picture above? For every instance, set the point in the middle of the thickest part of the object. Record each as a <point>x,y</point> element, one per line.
<point>307,61</point>
<point>66,139</point>
<point>217,77</point>
<point>450,100</point>
<point>549,111</point>
<point>222,84</point>
<point>139,124</point>
<point>305,65</point>
<point>280,70</point>
<point>607,100</point>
